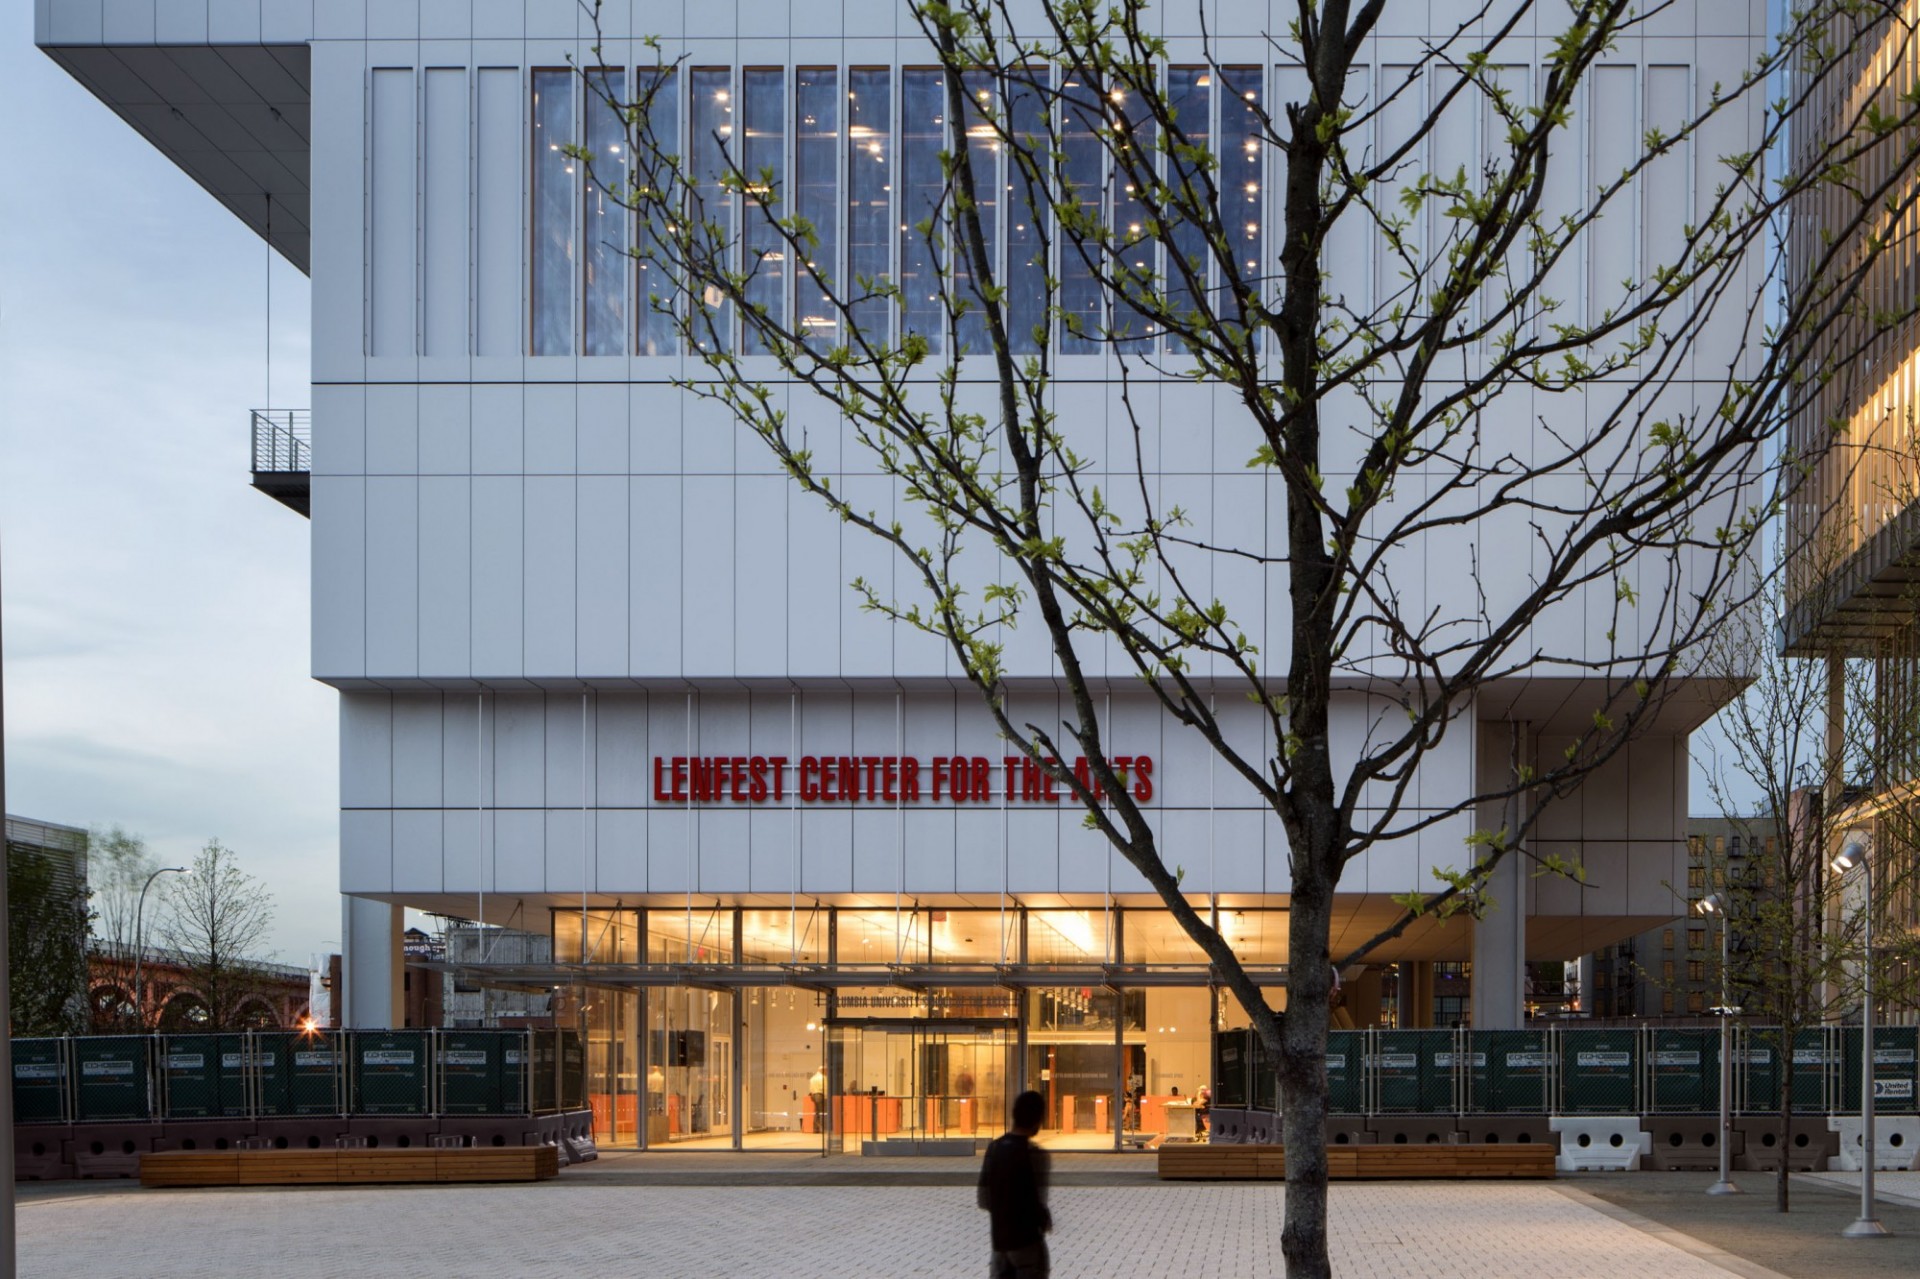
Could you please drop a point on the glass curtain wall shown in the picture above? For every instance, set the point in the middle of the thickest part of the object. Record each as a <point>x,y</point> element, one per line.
<point>923,206</point>
<point>660,98</point>
<point>714,152</point>
<point>907,1055</point>
<point>554,227</point>
<point>816,181</point>
<point>583,298</point>
<point>869,198</point>
<point>604,218</point>
<point>784,1033</point>
<point>764,156</point>
<point>690,1032</point>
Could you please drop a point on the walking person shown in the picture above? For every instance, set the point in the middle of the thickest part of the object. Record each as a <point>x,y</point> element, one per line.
<point>1013,1190</point>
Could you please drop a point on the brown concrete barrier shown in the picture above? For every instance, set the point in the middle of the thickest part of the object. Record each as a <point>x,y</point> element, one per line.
<point>108,1151</point>
<point>1415,1130</point>
<point>1687,1143</point>
<point>40,1154</point>
<point>1809,1146</point>
<point>1500,1130</point>
<point>205,1134</point>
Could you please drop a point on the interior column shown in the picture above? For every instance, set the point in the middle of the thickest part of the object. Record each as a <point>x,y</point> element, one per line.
<point>1500,934</point>
<point>371,965</point>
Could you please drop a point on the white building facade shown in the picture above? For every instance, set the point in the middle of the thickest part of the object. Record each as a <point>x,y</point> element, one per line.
<point>600,673</point>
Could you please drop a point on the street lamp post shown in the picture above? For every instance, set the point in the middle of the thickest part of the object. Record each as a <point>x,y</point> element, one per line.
<point>1854,853</point>
<point>1718,904</point>
<point>140,940</point>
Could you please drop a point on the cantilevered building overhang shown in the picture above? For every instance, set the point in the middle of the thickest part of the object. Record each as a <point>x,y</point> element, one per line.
<point>235,116</point>
<point>226,94</point>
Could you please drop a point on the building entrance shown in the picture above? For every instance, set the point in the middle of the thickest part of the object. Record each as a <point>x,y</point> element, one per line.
<point>911,1081</point>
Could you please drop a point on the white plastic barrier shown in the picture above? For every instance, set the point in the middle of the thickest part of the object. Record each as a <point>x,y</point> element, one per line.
<point>1590,1143</point>
<point>1896,1140</point>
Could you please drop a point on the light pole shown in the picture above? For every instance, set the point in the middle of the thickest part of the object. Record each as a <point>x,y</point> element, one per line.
<point>1854,853</point>
<point>140,940</point>
<point>1718,904</point>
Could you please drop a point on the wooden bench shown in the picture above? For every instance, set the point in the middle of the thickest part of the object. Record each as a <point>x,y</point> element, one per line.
<point>175,1168</point>
<point>1362,1162</point>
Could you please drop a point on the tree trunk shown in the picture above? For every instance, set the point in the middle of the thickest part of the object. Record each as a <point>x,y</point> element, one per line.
<point>1782,1179</point>
<point>1303,1082</point>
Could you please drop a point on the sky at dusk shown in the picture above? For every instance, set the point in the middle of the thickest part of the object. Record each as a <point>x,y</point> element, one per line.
<point>155,605</point>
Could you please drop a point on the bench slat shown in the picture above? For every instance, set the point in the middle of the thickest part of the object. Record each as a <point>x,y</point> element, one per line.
<point>181,1168</point>
<point>1361,1162</point>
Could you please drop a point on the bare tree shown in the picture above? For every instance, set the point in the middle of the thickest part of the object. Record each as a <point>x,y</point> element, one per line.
<point>214,926</point>
<point>1781,776</point>
<point>1380,417</point>
<point>118,866</point>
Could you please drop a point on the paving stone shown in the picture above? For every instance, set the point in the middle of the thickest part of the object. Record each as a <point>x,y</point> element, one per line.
<point>587,1225</point>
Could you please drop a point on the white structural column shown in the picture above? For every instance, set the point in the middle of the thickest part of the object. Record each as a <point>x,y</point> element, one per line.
<point>1500,934</point>
<point>371,965</point>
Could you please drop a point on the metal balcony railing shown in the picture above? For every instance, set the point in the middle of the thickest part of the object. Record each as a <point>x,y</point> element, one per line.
<point>283,455</point>
<point>282,441</point>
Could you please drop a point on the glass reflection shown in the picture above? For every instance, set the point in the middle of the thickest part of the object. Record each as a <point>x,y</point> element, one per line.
<point>1072,1061</point>
<point>869,195</point>
<point>1132,243</point>
<point>661,100</point>
<point>983,157</point>
<point>1190,96</point>
<point>1069,936</point>
<point>703,935</point>
<point>604,233</point>
<point>553,225</point>
<point>923,204</point>
<point>1168,1060</point>
<point>611,936</point>
<point>764,161</point>
<point>785,1056</point>
<point>1241,155</point>
<point>816,146</point>
<point>714,150</point>
<point>689,1066</point>
<point>1026,270</point>
<point>612,1019</point>
<point>1082,171</point>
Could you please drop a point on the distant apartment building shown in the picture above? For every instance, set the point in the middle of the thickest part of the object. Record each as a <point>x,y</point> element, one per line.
<point>1674,970</point>
<point>47,922</point>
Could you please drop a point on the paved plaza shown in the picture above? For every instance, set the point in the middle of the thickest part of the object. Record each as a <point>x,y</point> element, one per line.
<point>796,1219</point>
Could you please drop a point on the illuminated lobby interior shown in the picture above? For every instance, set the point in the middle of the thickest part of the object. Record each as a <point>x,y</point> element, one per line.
<point>815,1028</point>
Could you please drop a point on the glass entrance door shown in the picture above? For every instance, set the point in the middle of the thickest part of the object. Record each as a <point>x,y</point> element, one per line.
<point>917,1081</point>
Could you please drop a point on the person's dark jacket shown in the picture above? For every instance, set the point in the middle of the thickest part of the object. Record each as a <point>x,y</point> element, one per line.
<point>1013,1189</point>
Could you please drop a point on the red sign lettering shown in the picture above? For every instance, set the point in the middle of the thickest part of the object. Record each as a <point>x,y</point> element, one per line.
<point>883,779</point>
